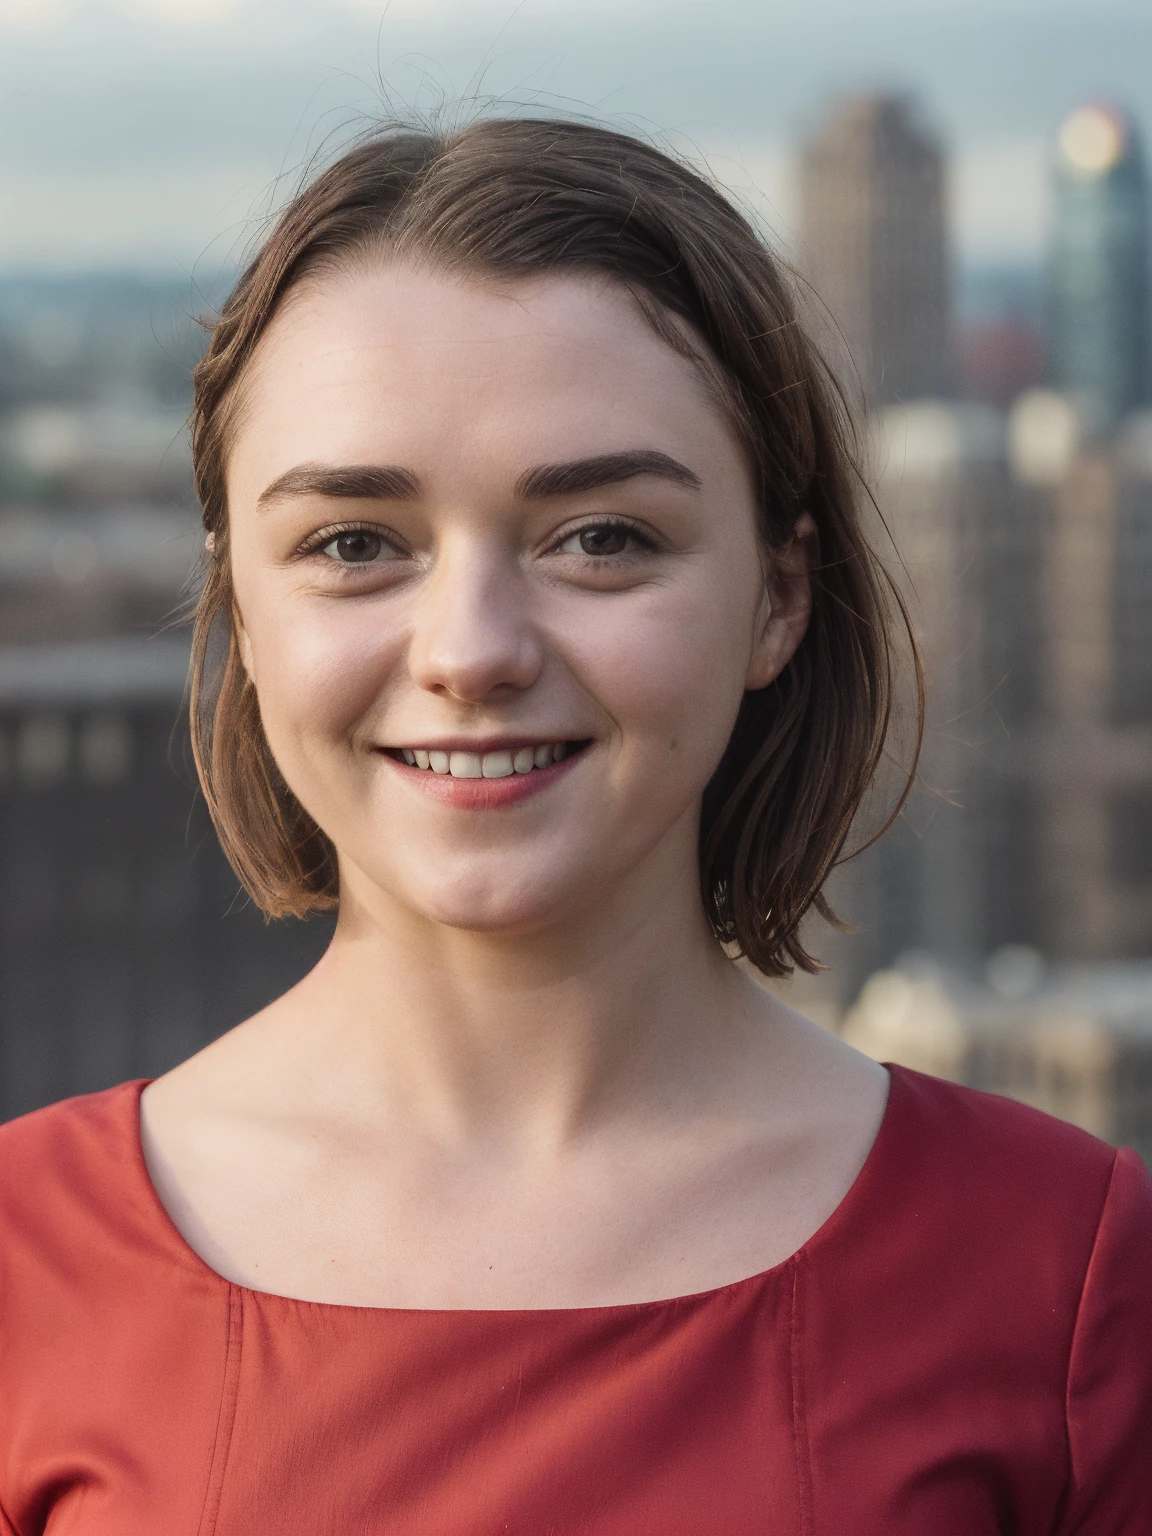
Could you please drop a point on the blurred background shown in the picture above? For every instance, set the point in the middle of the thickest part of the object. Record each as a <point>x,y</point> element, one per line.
<point>964,187</point>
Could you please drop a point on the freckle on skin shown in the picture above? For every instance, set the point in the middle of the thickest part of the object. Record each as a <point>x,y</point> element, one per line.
<point>673,743</point>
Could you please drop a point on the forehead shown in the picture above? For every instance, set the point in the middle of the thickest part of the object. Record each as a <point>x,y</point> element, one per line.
<point>387,364</point>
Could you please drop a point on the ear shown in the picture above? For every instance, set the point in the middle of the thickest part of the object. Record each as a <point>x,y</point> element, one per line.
<point>786,606</point>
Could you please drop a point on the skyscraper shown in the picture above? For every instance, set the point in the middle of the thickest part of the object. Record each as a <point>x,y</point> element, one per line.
<point>872,223</point>
<point>1099,272</point>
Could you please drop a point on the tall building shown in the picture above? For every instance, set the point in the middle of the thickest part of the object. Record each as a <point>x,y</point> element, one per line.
<point>1099,271</point>
<point>124,942</point>
<point>1025,558</point>
<point>1091,762</point>
<point>1074,1040</point>
<point>942,486</point>
<point>872,224</point>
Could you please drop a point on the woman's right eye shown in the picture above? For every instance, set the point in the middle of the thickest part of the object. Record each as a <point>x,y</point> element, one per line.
<point>360,546</point>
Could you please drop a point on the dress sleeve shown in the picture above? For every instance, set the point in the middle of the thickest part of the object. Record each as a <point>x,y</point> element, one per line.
<point>1109,1401</point>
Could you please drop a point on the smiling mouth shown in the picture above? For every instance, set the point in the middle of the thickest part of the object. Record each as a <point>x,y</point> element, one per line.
<point>502,764</point>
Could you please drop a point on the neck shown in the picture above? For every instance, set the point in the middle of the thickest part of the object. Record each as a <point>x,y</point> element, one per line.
<point>536,1035</point>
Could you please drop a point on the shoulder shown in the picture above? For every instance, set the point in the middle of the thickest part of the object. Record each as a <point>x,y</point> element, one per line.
<point>981,1142</point>
<point>998,1172</point>
<point>71,1147</point>
<point>73,1192</point>
<point>990,1260</point>
<point>86,1249</point>
<point>973,1202</point>
<point>1028,1247</point>
<point>113,1336</point>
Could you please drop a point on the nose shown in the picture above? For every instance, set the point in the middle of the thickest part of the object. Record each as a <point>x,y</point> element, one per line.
<point>473,635</point>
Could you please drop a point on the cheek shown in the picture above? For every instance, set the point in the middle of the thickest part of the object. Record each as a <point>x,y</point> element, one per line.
<point>320,666</point>
<point>670,670</point>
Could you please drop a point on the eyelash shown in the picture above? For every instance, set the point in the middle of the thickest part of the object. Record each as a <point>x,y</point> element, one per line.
<point>315,542</point>
<point>642,537</point>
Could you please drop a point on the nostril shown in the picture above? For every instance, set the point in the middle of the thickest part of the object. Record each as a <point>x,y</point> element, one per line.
<point>472,649</point>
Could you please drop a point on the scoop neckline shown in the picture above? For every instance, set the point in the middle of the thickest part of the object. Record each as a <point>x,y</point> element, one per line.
<point>842,1213</point>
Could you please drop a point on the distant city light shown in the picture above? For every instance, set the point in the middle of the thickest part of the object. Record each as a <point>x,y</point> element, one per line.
<point>1099,265</point>
<point>1092,140</point>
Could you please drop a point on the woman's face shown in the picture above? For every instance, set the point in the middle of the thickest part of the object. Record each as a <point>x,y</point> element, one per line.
<point>501,590</point>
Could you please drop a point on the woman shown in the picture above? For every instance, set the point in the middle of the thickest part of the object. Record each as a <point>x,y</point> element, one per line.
<point>540,633</point>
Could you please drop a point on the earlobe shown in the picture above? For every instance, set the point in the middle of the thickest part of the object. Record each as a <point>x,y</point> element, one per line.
<point>244,646</point>
<point>785,607</point>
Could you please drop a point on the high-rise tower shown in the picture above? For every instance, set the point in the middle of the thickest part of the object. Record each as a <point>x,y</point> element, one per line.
<point>1099,270</point>
<point>872,221</point>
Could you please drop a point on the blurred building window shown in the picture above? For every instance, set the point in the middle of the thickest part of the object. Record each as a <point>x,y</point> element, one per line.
<point>1131,814</point>
<point>124,943</point>
<point>1009,896</point>
<point>43,749</point>
<point>105,748</point>
<point>1132,605</point>
<point>1044,433</point>
<point>102,895</point>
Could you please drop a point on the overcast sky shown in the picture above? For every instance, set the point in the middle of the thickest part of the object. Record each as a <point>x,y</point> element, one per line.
<point>150,133</point>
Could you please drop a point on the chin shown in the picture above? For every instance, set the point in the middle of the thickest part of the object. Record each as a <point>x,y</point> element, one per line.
<point>499,916</point>
<point>511,902</point>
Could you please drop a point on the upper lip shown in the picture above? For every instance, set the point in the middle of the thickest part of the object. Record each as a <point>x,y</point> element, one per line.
<point>481,745</point>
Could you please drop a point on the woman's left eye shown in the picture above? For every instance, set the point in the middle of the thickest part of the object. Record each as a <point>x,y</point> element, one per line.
<point>601,539</point>
<point>359,546</point>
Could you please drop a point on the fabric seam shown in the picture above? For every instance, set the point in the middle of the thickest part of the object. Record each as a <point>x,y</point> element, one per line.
<point>1070,1481</point>
<point>7,1524</point>
<point>226,1418</point>
<point>800,1445</point>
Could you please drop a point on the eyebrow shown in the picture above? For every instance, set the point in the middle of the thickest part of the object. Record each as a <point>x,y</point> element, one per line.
<point>359,482</point>
<point>603,469</point>
<point>390,482</point>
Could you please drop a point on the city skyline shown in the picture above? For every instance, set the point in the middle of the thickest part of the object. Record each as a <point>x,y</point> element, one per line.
<point>232,101</point>
<point>1025,554</point>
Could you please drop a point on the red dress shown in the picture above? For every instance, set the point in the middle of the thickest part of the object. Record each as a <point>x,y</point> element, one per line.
<point>965,1347</point>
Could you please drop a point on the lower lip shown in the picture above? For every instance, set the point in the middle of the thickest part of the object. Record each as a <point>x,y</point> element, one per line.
<point>483,794</point>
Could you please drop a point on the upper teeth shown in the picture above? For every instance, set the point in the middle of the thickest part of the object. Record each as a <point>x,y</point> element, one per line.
<point>489,765</point>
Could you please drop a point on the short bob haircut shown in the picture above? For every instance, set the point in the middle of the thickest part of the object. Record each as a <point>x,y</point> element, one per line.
<point>512,198</point>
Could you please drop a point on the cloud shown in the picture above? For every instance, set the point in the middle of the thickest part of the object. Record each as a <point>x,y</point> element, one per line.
<point>55,15</point>
<point>153,217</point>
<point>144,219</point>
<point>181,13</point>
<point>132,98</point>
<point>35,15</point>
<point>475,15</point>
<point>1000,199</point>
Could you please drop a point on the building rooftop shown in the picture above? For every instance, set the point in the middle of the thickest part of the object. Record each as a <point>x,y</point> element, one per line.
<point>122,670</point>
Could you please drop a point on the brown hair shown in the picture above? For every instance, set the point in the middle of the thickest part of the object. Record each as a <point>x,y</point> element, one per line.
<point>516,197</point>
